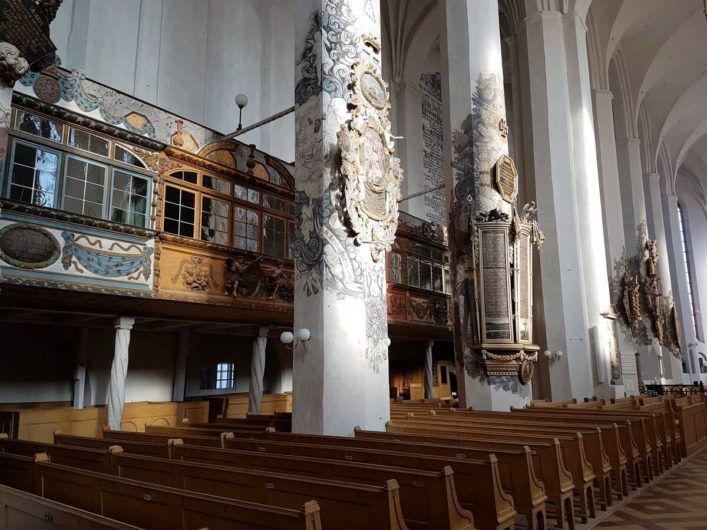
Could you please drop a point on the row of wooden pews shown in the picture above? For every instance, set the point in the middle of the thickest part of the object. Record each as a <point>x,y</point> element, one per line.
<point>606,449</point>
<point>437,467</point>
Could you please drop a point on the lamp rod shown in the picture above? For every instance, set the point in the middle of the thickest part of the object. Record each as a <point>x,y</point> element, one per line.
<point>258,124</point>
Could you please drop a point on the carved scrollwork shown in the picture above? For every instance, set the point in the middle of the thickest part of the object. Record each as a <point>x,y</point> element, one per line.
<point>372,174</point>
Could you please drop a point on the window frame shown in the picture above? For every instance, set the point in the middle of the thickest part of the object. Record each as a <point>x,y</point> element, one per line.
<point>107,181</point>
<point>7,186</point>
<point>148,197</point>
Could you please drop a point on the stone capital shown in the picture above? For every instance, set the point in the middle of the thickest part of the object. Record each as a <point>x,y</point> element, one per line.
<point>12,65</point>
<point>124,323</point>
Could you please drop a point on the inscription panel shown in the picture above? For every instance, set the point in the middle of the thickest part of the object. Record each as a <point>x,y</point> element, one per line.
<point>495,285</point>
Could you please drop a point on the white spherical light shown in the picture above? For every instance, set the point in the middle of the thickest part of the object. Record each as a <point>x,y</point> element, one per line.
<point>286,337</point>
<point>241,100</point>
<point>303,334</point>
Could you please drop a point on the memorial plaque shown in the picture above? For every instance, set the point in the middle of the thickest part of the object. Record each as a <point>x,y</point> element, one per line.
<point>507,178</point>
<point>495,285</point>
<point>28,246</point>
<point>25,25</point>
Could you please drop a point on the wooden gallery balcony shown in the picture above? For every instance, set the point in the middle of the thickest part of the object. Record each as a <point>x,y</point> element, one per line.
<point>89,210</point>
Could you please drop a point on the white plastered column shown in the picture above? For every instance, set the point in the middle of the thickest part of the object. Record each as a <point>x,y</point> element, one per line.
<point>180,366</point>
<point>472,86</point>
<point>550,151</point>
<point>614,234</point>
<point>257,371</point>
<point>429,381</point>
<point>340,376</point>
<point>119,372</point>
<point>80,370</point>
<point>672,366</point>
<point>588,199</point>
<point>680,292</point>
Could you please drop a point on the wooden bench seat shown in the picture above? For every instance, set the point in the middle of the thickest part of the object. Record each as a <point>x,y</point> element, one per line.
<point>428,498</point>
<point>516,466</point>
<point>206,441</point>
<point>593,438</point>
<point>20,510</point>
<point>199,431</point>
<point>573,462</point>
<point>477,481</point>
<point>86,458</point>
<point>155,507</point>
<point>650,437</point>
<point>555,476</point>
<point>158,450</point>
<point>344,506</point>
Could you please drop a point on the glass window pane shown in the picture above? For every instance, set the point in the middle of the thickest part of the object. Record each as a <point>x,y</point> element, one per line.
<point>186,176</point>
<point>37,171</point>
<point>273,236</point>
<point>246,228</point>
<point>413,272</point>
<point>214,220</point>
<point>437,279</point>
<point>83,187</point>
<point>129,198</point>
<point>124,155</point>
<point>425,275</point>
<point>88,142</point>
<point>217,184</point>
<point>39,126</point>
<point>396,263</point>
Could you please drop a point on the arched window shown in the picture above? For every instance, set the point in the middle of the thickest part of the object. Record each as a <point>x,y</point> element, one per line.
<point>210,208</point>
<point>688,274</point>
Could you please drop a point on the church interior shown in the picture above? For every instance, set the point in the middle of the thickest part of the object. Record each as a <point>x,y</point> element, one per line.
<point>317,264</point>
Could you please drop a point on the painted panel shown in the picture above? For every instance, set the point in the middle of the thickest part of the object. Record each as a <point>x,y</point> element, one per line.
<point>42,252</point>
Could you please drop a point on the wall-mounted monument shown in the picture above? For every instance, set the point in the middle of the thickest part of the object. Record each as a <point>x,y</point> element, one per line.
<point>490,238</point>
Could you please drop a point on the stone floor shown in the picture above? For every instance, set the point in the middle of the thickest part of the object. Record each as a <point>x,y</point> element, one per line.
<point>676,501</point>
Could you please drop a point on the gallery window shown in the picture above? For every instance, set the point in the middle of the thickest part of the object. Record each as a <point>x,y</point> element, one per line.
<point>84,187</point>
<point>218,376</point>
<point>179,211</point>
<point>65,167</point>
<point>419,265</point>
<point>230,214</point>
<point>34,174</point>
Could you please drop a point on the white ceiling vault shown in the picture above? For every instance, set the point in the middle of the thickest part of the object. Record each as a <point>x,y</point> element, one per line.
<point>656,52</point>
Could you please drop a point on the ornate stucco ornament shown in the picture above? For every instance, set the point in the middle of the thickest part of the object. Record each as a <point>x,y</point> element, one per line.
<point>372,174</point>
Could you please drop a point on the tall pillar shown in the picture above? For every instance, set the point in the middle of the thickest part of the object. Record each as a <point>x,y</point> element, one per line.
<point>180,366</point>
<point>119,372</point>
<point>551,150</point>
<point>633,199</point>
<point>680,292</point>
<point>672,365</point>
<point>478,205</point>
<point>429,381</point>
<point>80,370</point>
<point>12,67</point>
<point>340,377</point>
<point>588,198</point>
<point>614,235</point>
<point>257,371</point>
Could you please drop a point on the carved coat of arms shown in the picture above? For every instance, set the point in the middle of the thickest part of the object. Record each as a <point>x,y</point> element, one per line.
<point>372,174</point>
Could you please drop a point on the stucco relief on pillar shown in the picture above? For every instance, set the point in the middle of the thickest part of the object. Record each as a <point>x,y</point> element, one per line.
<point>344,200</point>
<point>491,242</point>
<point>638,299</point>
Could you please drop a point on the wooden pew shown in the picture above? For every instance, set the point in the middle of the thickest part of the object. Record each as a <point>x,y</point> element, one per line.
<point>157,507</point>
<point>158,450</point>
<point>572,455</point>
<point>205,441</point>
<point>428,499</point>
<point>216,431</point>
<point>692,422</point>
<point>592,437</point>
<point>84,458</point>
<point>555,476</point>
<point>344,506</point>
<point>516,466</point>
<point>647,429</point>
<point>20,510</point>
<point>477,481</point>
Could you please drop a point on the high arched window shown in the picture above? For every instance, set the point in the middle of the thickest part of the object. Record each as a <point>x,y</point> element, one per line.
<point>688,274</point>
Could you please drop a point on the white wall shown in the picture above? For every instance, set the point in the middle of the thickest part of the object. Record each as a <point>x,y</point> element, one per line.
<point>190,57</point>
